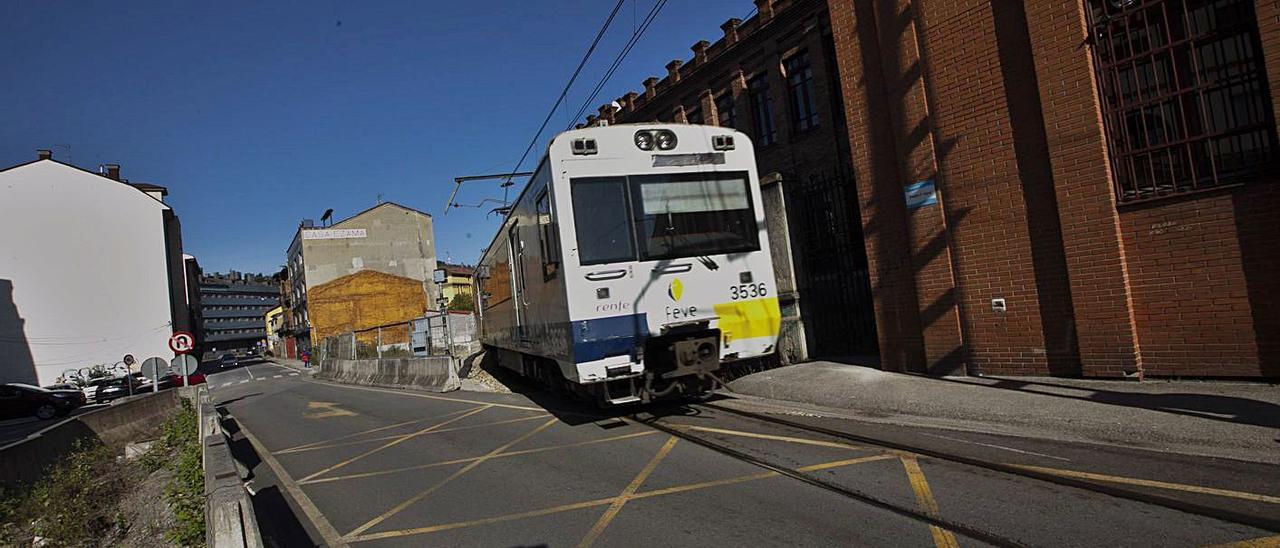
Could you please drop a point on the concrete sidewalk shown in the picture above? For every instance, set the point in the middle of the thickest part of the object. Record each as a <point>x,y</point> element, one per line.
<point>293,364</point>
<point>1223,419</point>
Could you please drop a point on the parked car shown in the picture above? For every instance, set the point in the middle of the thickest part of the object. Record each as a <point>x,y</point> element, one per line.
<point>116,388</point>
<point>62,386</point>
<point>24,400</point>
<point>228,360</point>
<point>90,388</point>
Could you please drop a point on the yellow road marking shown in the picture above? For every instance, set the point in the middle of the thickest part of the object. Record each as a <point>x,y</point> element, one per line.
<point>469,459</point>
<point>483,521</point>
<point>369,431</point>
<point>622,498</point>
<point>385,438</point>
<point>395,442</point>
<point>757,476</point>
<point>325,409</point>
<point>428,396</point>
<point>942,538</point>
<point>601,502</point>
<point>427,492</point>
<point>1152,483</point>
<point>802,441</point>
<point>1264,542</point>
<point>322,525</point>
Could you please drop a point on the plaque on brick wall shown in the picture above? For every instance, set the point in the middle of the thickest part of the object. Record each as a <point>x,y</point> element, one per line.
<point>921,194</point>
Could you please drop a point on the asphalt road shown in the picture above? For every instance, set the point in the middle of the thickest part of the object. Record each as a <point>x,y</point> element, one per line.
<point>335,464</point>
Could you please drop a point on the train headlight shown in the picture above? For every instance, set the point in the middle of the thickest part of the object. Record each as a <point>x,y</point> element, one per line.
<point>644,140</point>
<point>666,139</point>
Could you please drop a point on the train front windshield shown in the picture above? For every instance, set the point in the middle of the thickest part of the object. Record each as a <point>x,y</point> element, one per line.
<point>668,216</point>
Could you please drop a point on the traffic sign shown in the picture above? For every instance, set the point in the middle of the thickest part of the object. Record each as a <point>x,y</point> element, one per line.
<point>182,342</point>
<point>154,368</point>
<point>128,360</point>
<point>184,364</point>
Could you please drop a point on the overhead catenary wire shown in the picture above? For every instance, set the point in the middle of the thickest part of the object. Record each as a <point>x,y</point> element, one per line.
<point>506,183</point>
<point>617,61</point>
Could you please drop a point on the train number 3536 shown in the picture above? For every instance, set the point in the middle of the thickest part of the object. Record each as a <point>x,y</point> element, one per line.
<point>747,291</point>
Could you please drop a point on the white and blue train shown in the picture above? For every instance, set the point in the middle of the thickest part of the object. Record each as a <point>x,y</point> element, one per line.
<point>633,264</point>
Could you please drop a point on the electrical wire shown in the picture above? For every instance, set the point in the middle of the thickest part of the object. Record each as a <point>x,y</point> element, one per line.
<point>506,183</point>
<point>617,61</point>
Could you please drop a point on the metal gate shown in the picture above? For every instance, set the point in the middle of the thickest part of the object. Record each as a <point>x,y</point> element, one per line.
<point>835,287</point>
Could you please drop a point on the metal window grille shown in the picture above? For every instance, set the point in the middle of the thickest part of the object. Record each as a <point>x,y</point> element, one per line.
<point>804,113</point>
<point>762,109</point>
<point>725,111</point>
<point>1185,100</point>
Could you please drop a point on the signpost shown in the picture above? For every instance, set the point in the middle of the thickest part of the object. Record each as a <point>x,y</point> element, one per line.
<point>182,342</point>
<point>153,368</point>
<point>184,364</point>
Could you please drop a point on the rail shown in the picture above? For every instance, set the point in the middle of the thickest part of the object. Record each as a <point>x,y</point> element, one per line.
<point>1242,518</point>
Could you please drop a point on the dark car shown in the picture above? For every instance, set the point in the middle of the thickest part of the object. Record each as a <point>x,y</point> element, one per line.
<point>116,388</point>
<point>24,400</point>
<point>228,360</point>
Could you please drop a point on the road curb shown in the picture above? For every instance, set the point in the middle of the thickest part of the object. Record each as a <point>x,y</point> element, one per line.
<point>229,518</point>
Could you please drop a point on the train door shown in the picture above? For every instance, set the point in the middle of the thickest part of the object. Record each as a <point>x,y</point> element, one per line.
<point>518,281</point>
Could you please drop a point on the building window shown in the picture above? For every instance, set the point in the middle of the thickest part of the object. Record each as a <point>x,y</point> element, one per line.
<point>804,113</point>
<point>1184,95</point>
<point>725,111</point>
<point>762,110</point>
<point>693,115</point>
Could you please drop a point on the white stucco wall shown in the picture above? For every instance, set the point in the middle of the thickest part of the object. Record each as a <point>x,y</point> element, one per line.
<point>85,256</point>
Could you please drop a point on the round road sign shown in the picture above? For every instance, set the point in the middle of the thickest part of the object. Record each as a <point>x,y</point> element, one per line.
<point>182,342</point>
<point>128,359</point>
<point>154,368</point>
<point>185,364</point>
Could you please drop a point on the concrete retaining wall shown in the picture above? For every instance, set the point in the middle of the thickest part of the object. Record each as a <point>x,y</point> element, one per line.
<point>434,373</point>
<point>115,425</point>
<point>228,511</point>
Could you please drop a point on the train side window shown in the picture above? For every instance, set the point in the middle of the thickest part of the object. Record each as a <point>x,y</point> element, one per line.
<point>547,237</point>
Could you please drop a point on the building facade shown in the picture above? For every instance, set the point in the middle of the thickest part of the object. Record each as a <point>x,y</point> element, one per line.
<point>458,280</point>
<point>273,321</point>
<point>1050,187</point>
<point>388,238</point>
<point>92,270</point>
<point>774,77</point>
<point>232,310</point>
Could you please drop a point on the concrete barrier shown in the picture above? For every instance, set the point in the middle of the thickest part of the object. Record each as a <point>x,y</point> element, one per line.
<point>228,511</point>
<point>433,373</point>
<point>115,425</point>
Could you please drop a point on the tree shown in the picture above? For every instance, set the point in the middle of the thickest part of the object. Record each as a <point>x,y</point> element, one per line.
<point>463,302</point>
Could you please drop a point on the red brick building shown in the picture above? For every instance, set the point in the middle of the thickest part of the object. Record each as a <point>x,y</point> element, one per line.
<point>774,77</point>
<point>1103,174</point>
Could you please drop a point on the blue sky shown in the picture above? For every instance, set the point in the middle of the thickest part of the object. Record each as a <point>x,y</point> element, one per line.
<point>258,114</point>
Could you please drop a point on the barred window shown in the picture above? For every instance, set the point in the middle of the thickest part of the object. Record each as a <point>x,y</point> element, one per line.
<point>1185,100</point>
<point>762,110</point>
<point>804,113</point>
<point>725,110</point>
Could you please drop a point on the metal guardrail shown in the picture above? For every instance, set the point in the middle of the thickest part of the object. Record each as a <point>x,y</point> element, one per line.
<point>228,511</point>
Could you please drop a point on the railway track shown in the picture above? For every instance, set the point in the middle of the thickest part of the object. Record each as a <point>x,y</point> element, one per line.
<point>853,494</point>
<point>656,421</point>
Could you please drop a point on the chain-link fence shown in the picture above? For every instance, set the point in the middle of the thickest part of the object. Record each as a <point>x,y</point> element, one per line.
<point>434,335</point>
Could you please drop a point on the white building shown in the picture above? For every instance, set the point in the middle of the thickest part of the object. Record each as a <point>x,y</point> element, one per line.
<point>91,269</point>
